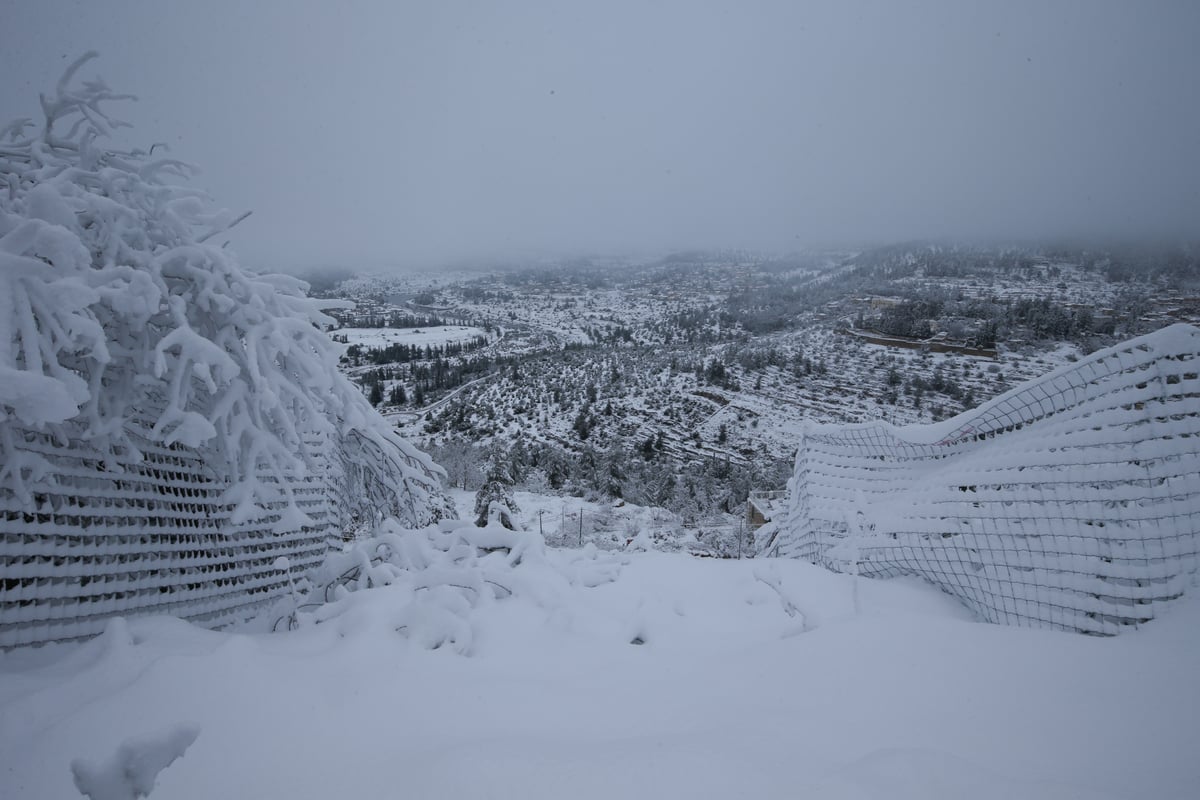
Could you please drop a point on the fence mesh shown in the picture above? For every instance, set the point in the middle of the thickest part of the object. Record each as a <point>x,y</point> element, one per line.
<point>1071,502</point>
<point>100,540</point>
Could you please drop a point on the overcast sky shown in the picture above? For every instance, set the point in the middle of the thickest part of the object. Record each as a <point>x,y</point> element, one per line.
<point>412,134</point>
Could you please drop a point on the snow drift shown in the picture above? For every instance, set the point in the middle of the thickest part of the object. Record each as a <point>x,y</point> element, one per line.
<point>888,692</point>
<point>1070,502</point>
<point>170,424</point>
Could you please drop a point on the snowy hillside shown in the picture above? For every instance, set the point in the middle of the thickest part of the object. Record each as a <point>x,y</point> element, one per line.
<point>642,675</point>
<point>685,381</point>
<point>224,573</point>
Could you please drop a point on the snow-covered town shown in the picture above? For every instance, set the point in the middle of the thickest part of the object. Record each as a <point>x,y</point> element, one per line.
<point>428,479</point>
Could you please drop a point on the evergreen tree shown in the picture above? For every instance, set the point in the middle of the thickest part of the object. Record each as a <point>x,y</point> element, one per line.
<point>613,470</point>
<point>646,450</point>
<point>496,493</point>
<point>583,424</point>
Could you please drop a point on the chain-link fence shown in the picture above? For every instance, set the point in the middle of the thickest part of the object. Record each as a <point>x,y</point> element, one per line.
<point>1071,502</point>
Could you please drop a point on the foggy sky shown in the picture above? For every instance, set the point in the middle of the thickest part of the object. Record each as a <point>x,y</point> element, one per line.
<point>412,134</point>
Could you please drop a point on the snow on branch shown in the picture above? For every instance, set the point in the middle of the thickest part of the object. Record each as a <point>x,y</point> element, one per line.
<point>116,318</point>
<point>438,578</point>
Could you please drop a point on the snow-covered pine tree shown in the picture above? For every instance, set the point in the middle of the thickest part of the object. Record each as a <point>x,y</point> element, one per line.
<point>495,497</point>
<point>125,330</point>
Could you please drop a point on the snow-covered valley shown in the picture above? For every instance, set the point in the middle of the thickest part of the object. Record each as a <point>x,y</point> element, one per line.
<point>548,507</point>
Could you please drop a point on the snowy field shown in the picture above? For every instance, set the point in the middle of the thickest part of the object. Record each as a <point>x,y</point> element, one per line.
<point>626,675</point>
<point>382,337</point>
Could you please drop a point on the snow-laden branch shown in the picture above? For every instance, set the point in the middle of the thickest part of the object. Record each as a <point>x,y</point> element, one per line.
<point>438,579</point>
<point>116,318</point>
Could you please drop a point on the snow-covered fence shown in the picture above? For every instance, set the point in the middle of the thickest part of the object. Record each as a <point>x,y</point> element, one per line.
<point>153,537</point>
<point>100,539</point>
<point>1070,502</point>
<point>170,423</point>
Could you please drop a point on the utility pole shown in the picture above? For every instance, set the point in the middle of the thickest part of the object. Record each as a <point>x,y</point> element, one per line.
<point>581,526</point>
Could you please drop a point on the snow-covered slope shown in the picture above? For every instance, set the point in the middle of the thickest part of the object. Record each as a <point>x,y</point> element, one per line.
<point>170,424</point>
<point>763,679</point>
<point>1072,501</point>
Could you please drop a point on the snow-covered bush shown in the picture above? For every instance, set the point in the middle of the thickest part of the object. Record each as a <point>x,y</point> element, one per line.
<point>170,423</point>
<point>438,578</point>
<point>118,316</point>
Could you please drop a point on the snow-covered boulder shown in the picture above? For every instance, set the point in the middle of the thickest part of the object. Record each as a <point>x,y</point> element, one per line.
<point>170,423</point>
<point>1071,502</point>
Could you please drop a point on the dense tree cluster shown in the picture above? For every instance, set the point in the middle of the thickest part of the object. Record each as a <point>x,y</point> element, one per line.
<point>424,377</point>
<point>787,299</point>
<point>915,319</point>
<point>401,353</point>
<point>643,473</point>
<point>393,319</point>
<point>983,323</point>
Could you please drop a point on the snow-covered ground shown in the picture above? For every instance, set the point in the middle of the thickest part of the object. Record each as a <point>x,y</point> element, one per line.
<point>624,675</point>
<point>610,524</point>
